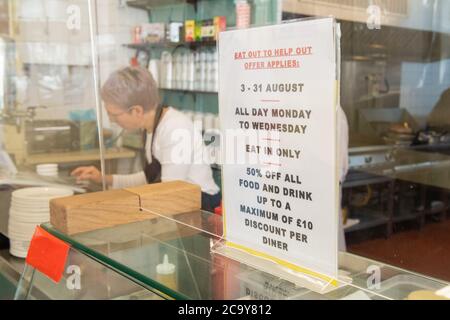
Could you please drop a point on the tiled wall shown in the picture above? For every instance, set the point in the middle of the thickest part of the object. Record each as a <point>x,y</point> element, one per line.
<point>57,55</point>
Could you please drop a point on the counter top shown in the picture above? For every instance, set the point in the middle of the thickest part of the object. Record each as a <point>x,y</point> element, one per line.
<point>136,249</point>
<point>80,156</point>
<point>10,270</point>
<point>417,166</point>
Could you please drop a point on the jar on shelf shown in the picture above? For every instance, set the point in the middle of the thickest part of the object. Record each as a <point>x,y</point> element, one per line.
<point>243,14</point>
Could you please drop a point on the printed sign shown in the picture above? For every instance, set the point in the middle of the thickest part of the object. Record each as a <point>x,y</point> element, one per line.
<point>278,98</point>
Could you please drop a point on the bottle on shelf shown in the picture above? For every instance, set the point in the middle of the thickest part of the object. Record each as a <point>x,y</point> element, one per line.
<point>154,68</point>
<point>208,67</point>
<point>216,70</point>
<point>177,70</point>
<point>166,70</point>
<point>191,71</point>
<point>202,81</point>
<point>197,68</point>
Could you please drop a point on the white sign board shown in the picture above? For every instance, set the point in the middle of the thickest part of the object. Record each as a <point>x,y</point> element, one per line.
<point>277,99</point>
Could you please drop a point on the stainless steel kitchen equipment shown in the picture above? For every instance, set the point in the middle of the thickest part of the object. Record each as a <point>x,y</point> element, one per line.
<point>384,122</point>
<point>44,136</point>
<point>387,185</point>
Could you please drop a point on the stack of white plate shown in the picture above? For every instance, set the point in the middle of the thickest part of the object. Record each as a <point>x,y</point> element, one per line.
<point>29,208</point>
<point>48,169</point>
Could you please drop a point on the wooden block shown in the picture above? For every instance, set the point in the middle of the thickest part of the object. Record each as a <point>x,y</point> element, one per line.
<point>92,211</point>
<point>169,198</point>
<point>96,210</point>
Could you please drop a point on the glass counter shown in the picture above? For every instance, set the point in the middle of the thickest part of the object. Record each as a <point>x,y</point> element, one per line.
<point>394,86</point>
<point>122,262</point>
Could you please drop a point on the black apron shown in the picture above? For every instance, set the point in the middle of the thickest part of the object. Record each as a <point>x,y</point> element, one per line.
<point>152,170</point>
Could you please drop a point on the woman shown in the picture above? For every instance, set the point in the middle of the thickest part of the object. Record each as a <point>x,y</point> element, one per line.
<point>173,149</point>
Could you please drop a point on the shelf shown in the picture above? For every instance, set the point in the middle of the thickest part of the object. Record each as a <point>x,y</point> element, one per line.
<point>406,217</point>
<point>80,156</point>
<point>190,91</point>
<point>367,220</point>
<point>174,45</point>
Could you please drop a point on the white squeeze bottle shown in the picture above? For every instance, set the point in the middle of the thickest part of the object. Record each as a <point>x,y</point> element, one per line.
<point>165,273</point>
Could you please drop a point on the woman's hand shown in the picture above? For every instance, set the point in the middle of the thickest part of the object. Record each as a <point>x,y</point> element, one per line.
<point>90,173</point>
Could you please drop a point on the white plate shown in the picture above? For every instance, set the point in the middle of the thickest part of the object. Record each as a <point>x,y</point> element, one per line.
<point>23,228</point>
<point>20,245</point>
<point>52,174</point>
<point>25,210</point>
<point>31,204</point>
<point>46,169</point>
<point>14,222</point>
<point>23,233</point>
<point>29,207</point>
<point>19,249</point>
<point>28,213</point>
<point>47,165</point>
<point>48,174</point>
<point>41,193</point>
<point>32,219</point>
<point>36,221</point>
<point>14,213</point>
<point>29,201</point>
<point>52,166</point>
<point>20,237</point>
<point>18,254</point>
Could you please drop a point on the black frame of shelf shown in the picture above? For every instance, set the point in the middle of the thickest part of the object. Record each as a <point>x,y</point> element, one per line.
<point>149,4</point>
<point>148,46</point>
<point>189,91</point>
<point>374,220</point>
<point>405,217</point>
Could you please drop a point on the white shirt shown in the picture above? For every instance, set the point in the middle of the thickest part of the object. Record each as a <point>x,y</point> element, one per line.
<point>342,143</point>
<point>179,147</point>
<point>342,158</point>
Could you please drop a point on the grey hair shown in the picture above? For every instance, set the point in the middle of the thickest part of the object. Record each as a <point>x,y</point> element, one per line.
<point>131,86</point>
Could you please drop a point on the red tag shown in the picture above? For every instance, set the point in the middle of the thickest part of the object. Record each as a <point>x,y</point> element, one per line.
<point>218,210</point>
<point>48,254</point>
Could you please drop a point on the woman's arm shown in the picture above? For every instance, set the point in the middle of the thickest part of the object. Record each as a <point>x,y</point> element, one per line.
<point>91,173</point>
<point>120,181</point>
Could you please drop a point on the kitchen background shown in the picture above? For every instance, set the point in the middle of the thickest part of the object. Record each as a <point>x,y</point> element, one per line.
<point>395,71</point>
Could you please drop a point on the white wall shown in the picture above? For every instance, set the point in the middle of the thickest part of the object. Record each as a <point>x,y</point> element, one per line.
<point>427,15</point>
<point>58,52</point>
